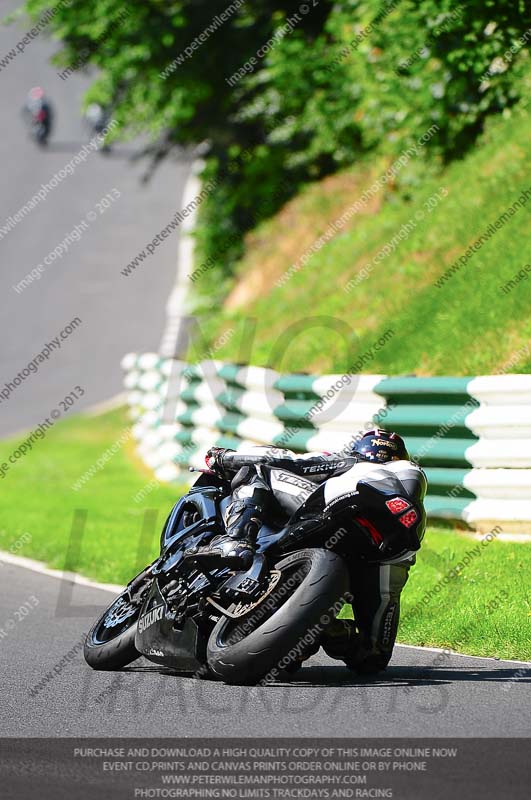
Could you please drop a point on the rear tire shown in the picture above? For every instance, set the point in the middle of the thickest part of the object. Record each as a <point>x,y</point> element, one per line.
<point>239,657</point>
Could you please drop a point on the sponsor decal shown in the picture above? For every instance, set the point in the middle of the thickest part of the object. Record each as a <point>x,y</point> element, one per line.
<point>388,624</point>
<point>148,619</point>
<point>325,467</point>
<point>384,443</point>
<point>343,498</point>
<point>289,477</point>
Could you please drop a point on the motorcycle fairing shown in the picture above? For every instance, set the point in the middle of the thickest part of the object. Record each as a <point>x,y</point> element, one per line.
<point>158,639</point>
<point>364,488</point>
<point>401,477</point>
<point>204,500</point>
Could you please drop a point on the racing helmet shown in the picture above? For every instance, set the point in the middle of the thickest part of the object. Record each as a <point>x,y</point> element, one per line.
<point>381,446</point>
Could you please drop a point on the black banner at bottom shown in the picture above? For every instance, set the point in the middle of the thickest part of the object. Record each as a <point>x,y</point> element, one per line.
<point>275,769</point>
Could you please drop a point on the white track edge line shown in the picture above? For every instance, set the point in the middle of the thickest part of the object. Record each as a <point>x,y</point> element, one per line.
<point>176,305</point>
<point>106,405</point>
<point>515,538</point>
<point>72,577</point>
<point>90,411</point>
<point>463,655</point>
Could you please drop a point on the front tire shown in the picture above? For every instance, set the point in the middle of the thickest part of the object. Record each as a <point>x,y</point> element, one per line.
<point>110,643</point>
<point>266,640</point>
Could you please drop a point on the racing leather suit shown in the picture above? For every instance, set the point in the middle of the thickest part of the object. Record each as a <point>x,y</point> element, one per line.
<point>264,477</point>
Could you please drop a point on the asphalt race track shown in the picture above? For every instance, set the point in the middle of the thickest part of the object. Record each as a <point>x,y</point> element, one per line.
<point>423,693</point>
<point>119,314</point>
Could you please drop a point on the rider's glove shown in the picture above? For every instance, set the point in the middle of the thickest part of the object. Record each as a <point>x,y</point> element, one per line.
<point>214,458</point>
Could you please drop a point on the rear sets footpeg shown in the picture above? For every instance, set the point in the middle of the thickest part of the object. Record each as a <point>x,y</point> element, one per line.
<point>240,609</point>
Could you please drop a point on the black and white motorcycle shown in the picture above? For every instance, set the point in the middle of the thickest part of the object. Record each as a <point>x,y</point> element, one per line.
<point>244,618</point>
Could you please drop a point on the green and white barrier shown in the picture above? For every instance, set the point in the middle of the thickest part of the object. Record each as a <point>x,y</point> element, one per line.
<point>472,435</point>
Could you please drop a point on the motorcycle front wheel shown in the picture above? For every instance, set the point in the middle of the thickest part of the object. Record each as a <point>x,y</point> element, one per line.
<point>285,625</point>
<point>110,643</point>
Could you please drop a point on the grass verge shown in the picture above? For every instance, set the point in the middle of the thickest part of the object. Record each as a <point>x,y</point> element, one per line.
<point>37,499</point>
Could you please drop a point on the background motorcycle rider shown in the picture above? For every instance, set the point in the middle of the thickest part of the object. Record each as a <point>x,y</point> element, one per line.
<point>39,115</point>
<point>97,119</point>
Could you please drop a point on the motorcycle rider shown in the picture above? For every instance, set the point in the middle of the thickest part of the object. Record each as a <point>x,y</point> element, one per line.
<point>267,478</point>
<point>39,112</point>
<point>98,118</point>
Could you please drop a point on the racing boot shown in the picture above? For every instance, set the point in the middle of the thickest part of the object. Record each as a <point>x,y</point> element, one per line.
<point>337,640</point>
<point>243,520</point>
<point>343,642</point>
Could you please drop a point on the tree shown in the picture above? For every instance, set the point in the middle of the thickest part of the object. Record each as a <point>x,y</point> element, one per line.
<point>285,92</point>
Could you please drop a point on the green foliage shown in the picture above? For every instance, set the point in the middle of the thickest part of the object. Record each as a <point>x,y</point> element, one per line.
<point>367,84</point>
<point>318,89</point>
<point>424,64</point>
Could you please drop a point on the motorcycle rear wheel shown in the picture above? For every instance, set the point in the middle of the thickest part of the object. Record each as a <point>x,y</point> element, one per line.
<point>277,632</point>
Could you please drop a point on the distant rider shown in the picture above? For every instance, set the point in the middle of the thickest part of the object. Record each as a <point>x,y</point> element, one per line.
<point>39,112</point>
